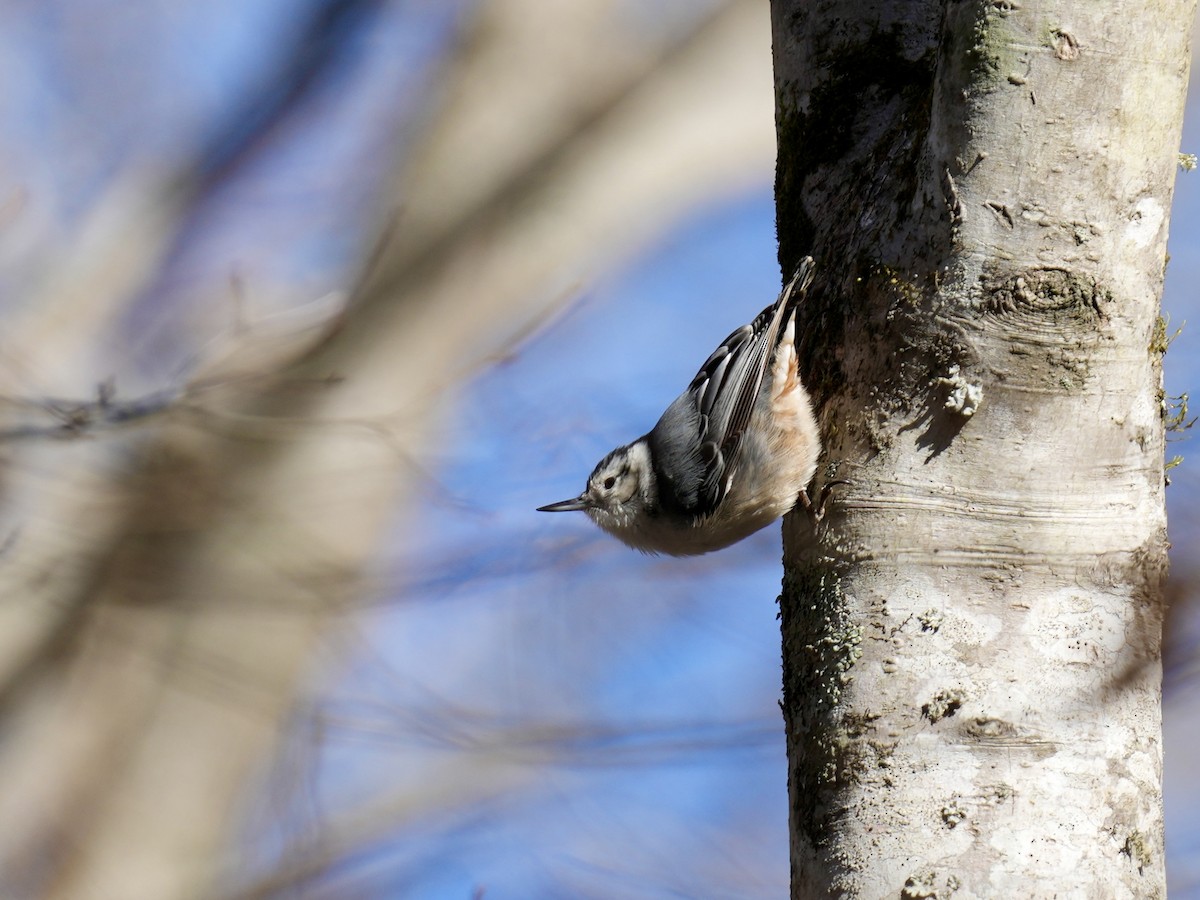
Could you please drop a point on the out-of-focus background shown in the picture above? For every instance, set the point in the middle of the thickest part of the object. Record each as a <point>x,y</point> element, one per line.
<point>307,306</point>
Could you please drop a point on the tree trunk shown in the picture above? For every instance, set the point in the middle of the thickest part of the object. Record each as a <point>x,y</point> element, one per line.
<point>971,648</point>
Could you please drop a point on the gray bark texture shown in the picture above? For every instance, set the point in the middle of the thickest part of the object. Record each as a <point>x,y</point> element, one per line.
<point>971,646</point>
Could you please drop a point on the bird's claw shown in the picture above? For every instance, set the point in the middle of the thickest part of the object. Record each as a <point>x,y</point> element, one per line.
<point>817,512</point>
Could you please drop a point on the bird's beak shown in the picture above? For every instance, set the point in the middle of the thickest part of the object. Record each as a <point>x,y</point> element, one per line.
<point>580,502</point>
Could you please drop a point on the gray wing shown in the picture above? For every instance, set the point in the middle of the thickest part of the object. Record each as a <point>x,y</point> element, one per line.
<point>715,410</point>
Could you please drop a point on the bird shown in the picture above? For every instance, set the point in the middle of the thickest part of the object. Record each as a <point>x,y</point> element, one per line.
<point>730,455</point>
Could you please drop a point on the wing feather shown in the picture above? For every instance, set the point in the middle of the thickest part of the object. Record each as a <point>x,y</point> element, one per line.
<point>725,390</point>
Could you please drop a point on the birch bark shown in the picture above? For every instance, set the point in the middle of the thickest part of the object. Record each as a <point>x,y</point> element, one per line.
<point>971,648</point>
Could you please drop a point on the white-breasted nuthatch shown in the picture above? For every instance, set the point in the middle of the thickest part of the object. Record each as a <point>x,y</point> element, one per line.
<point>731,454</point>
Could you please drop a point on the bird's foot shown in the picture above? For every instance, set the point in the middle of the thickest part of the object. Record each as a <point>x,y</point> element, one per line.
<point>816,512</point>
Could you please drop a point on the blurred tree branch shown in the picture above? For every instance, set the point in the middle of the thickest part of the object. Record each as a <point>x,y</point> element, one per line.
<point>170,573</point>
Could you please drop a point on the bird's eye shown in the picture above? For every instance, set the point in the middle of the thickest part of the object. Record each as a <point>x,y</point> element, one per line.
<point>609,482</point>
